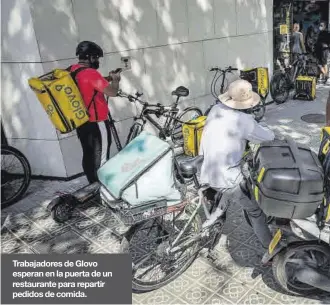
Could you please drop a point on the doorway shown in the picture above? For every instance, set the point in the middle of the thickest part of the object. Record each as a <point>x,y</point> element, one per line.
<point>308,14</point>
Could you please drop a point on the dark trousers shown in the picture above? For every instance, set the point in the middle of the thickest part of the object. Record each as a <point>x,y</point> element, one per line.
<point>258,219</point>
<point>95,139</point>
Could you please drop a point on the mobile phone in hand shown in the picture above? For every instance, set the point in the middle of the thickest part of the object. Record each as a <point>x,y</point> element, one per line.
<point>118,70</point>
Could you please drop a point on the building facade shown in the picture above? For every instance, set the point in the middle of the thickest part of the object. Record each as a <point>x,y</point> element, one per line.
<point>168,43</point>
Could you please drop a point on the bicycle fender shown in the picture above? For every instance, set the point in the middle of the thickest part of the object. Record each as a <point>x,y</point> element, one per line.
<point>60,200</point>
<point>56,201</point>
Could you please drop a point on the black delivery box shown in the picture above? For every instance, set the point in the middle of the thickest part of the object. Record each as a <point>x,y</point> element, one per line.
<point>287,179</point>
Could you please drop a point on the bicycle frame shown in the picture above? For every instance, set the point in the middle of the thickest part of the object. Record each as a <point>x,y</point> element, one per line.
<point>114,132</point>
<point>215,80</point>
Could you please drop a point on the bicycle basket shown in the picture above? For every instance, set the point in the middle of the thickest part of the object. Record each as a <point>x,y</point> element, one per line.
<point>130,215</point>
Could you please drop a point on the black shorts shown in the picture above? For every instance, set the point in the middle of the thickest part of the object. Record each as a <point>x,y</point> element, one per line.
<point>322,56</point>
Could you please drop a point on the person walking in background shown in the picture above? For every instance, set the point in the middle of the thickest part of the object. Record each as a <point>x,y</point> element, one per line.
<point>298,45</point>
<point>322,50</point>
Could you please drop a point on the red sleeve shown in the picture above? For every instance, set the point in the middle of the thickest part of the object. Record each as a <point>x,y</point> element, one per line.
<point>97,81</point>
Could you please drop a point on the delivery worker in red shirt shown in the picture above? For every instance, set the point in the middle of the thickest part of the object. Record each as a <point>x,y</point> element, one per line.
<point>95,135</point>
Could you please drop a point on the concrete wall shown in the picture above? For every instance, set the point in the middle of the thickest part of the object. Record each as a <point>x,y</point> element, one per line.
<point>171,43</point>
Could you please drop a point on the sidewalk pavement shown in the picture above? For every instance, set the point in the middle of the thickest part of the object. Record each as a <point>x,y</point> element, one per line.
<point>234,277</point>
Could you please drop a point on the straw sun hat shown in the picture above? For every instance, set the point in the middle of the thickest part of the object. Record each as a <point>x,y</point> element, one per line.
<point>240,95</point>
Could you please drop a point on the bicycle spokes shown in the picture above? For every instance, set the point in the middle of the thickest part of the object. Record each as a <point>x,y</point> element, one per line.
<point>12,176</point>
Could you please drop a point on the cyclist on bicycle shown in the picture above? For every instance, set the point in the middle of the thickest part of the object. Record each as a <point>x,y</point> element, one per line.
<point>223,143</point>
<point>95,135</point>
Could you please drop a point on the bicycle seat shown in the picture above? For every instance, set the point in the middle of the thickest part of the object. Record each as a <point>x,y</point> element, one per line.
<point>181,91</point>
<point>190,167</point>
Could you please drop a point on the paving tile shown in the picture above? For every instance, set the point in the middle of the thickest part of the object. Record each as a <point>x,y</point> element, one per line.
<point>225,263</point>
<point>214,279</point>
<point>6,235</point>
<point>38,212</point>
<point>100,251</point>
<point>138,298</point>
<point>217,299</point>
<point>110,221</point>
<point>26,204</point>
<point>91,233</point>
<point>95,211</point>
<point>31,234</point>
<point>289,299</point>
<point>108,242</point>
<point>51,226</point>
<point>196,294</point>
<point>82,223</point>
<point>250,276</point>
<point>197,269</point>
<point>68,243</point>
<point>43,219</point>
<point>160,296</point>
<point>178,301</point>
<point>16,222</point>
<point>23,228</point>
<point>233,290</point>
<point>179,285</point>
<point>13,246</point>
<point>255,297</point>
<point>267,285</point>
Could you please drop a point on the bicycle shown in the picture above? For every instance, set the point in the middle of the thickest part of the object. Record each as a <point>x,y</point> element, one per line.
<point>258,111</point>
<point>172,128</point>
<point>283,81</point>
<point>15,175</point>
<point>171,242</point>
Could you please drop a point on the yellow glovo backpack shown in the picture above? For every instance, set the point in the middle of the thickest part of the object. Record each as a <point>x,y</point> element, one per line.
<point>324,157</point>
<point>59,95</point>
<point>192,134</point>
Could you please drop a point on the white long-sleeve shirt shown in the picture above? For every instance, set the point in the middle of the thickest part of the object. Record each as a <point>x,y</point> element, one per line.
<point>223,143</point>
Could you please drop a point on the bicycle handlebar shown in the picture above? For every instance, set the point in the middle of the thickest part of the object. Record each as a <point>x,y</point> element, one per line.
<point>131,98</point>
<point>229,69</point>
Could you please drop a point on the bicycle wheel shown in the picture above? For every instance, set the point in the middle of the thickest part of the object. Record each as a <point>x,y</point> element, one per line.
<point>135,130</point>
<point>279,88</point>
<point>15,175</point>
<point>187,115</point>
<point>153,267</point>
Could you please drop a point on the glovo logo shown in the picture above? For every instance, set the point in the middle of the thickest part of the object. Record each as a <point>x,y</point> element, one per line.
<point>50,110</point>
<point>186,134</point>
<point>76,105</point>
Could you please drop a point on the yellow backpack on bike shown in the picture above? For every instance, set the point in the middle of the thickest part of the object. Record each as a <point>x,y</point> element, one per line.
<point>259,78</point>
<point>59,95</point>
<point>324,157</point>
<point>192,134</point>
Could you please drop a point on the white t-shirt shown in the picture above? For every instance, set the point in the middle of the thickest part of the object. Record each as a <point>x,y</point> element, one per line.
<point>223,143</point>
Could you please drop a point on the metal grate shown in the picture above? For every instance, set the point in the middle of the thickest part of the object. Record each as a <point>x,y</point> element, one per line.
<point>314,118</point>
